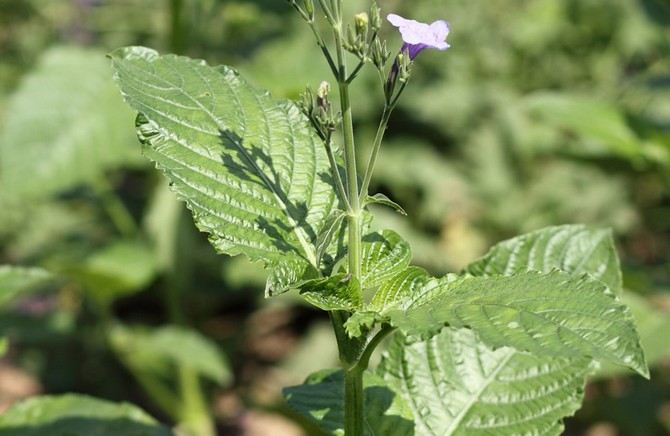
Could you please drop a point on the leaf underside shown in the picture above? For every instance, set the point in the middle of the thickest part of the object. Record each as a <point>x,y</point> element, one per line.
<point>250,167</point>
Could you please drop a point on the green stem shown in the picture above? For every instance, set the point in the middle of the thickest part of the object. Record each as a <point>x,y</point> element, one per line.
<point>195,415</point>
<point>364,360</point>
<point>354,247</point>
<point>353,401</point>
<point>336,174</point>
<point>115,208</point>
<point>177,30</point>
<point>381,129</point>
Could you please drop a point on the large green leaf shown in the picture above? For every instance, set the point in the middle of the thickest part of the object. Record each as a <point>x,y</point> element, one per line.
<point>77,415</point>
<point>457,386</point>
<point>251,168</point>
<point>64,126</point>
<point>321,399</point>
<point>575,249</point>
<point>553,314</point>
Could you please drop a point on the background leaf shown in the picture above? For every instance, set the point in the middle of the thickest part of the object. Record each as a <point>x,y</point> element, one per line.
<point>251,168</point>
<point>160,351</point>
<point>77,415</point>
<point>65,126</point>
<point>16,280</point>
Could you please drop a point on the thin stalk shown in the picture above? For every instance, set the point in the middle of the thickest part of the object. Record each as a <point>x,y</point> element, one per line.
<point>381,129</point>
<point>115,208</point>
<point>336,174</point>
<point>364,360</point>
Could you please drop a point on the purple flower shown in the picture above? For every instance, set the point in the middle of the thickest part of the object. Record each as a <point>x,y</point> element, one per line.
<point>419,36</point>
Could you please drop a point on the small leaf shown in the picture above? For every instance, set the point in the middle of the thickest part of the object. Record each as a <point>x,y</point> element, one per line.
<point>383,199</point>
<point>331,227</point>
<point>321,400</point>
<point>251,168</point>
<point>164,349</point>
<point>552,314</point>
<point>338,292</point>
<point>457,386</point>
<point>575,249</point>
<point>384,254</point>
<point>17,280</point>
<point>77,415</point>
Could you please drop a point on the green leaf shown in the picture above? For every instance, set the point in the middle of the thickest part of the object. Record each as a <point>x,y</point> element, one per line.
<point>575,249</point>
<point>16,280</point>
<point>251,168</point>
<point>77,415</point>
<point>321,399</point>
<point>384,254</point>
<point>457,386</point>
<point>65,125</point>
<point>380,198</point>
<point>338,292</point>
<point>603,124</point>
<point>553,314</point>
<point>162,350</point>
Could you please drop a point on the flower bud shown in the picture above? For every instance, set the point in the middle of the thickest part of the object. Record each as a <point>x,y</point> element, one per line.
<point>306,101</point>
<point>322,96</point>
<point>361,20</point>
<point>380,53</point>
<point>375,17</point>
<point>309,8</point>
<point>404,66</point>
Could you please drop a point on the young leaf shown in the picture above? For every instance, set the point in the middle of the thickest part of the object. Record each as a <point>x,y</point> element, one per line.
<point>575,249</point>
<point>384,254</point>
<point>251,168</point>
<point>457,386</point>
<point>77,415</point>
<point>321,400</point>
<point>553,314</point>
<point>338,292</point>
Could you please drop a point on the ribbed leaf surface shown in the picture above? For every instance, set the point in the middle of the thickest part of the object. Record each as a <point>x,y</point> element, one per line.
<point>250,167</point>
<point>321,399</point>
<point>553,314</point>
<point>575,249</point>
<point>385,253</point>
<point>457,386</point>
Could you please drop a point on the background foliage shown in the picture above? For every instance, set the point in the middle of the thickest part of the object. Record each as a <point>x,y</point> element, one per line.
<point>543,112</point>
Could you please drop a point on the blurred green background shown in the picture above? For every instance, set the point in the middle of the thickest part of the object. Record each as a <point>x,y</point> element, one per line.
<point>542,112</point>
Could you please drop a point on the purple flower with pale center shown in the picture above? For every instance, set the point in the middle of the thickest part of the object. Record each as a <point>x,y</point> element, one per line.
<point>419,36</point>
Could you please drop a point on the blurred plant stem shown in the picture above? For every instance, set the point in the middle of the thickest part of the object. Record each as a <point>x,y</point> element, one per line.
<point>117,211</point>
<point>178,27</point>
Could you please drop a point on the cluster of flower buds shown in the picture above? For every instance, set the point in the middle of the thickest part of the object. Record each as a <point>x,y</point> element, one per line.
<point>319,109</point>
<point>362,39</point>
